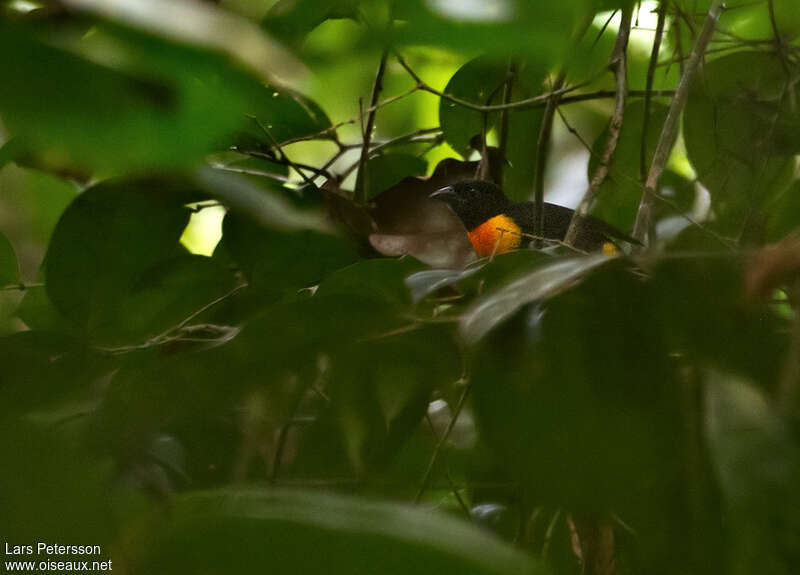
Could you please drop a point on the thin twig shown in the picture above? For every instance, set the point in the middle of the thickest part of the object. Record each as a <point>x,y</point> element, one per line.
<point>539,100</point>
<point>651,72</point>
<point>361,191</point>
<point>618,65</point>
<point>281,154</point>
<point>280,161</point>
<point>670,129</point>
<point>440,444</point>
<point>450,482</point>
<point>508,87</point>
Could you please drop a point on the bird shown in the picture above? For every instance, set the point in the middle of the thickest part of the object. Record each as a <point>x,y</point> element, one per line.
<point>496,225</point>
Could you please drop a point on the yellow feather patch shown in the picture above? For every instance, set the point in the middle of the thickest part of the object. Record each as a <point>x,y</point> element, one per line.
<point>497,235</point>
<point>609,249</point>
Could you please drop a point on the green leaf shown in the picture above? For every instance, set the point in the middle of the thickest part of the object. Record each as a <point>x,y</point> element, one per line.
<point>476,81</point>
<point>206,26</point>
<point>170,292</point>
<point>481,81</point>
<point>132,89</point>
<point>575,398</point>
<point>481,276</point>
<point>101,245</point>
<point>382,401</point>
<point>9,270</point>
<point>728,127</point>
<point>265,205</point>
<point>539,28</point>
<point>279,262</point>
<point>544,282</point>
<point>237,531</point>
<point>379,279</point>
<point>619,195</point>
<point>292,20</point>
<point>277,116</point>
<point>385,171</point>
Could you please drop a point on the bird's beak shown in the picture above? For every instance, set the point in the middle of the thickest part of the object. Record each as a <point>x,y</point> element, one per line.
<point>444,193</point>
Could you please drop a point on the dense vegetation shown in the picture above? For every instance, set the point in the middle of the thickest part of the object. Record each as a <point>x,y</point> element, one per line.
<point>238,336</point>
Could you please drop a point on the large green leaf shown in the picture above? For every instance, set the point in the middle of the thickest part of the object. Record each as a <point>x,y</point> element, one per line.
<point>280,115</point>
<point>172,292</point>
<point>387,170</point>
<point>281,262</point>
<point>132,89</point>
<point>480,81</point>
<point>575,399</point>
<point>540,284</point>
<point>239,531</point>
<point>105,239</point>
<point>729,126</point>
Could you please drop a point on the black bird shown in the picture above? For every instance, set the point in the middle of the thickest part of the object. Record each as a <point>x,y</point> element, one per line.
<point>496,225</point>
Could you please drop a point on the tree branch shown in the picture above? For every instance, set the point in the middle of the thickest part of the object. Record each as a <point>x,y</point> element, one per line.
<point>361,191</point>
<point>618,65</point>
<point>503,143</point>
<point>651,72</point>
<point>670,130</point>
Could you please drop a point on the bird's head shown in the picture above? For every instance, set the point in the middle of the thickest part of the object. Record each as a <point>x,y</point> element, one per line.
<point>474,201</point>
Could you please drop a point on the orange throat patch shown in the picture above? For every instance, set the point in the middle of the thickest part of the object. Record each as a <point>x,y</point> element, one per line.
<point>497,235</point>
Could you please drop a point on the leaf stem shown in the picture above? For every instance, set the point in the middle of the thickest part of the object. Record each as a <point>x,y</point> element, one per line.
<point>440,444</point>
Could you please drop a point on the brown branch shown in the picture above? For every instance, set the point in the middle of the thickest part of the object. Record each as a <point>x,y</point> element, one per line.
<point>540,100</point>
<point>618,65</point>
<point>361,191</point>
<point>281,161</point>
<point>670,129</point>
<point>281,154</point>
